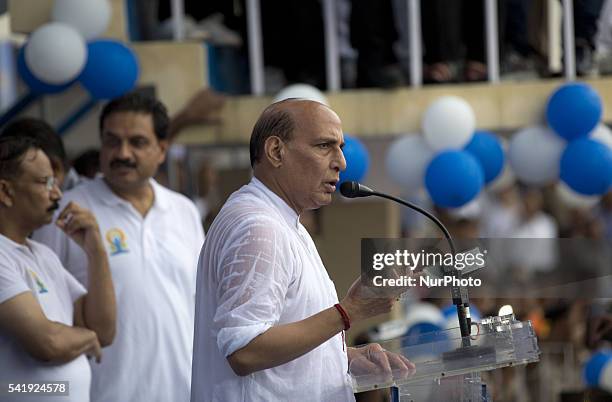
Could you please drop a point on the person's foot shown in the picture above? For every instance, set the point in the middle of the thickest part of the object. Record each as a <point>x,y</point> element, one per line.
<point>438,73</point>
<point>585,64</point>
<point>389,76</point>
<point>475,71</point>
<point>603,60</point>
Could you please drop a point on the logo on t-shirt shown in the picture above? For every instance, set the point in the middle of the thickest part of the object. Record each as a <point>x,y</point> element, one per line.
<point>116,239</point>
<point>41,286</point>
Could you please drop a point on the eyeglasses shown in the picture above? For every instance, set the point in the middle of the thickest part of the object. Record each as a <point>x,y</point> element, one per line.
<point>50,183</point>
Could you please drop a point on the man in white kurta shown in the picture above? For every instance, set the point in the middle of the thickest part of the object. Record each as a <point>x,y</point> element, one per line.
<point>267,272</point>
<point>268,321</point>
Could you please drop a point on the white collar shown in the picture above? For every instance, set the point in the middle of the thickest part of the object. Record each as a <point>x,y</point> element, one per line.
<point>14,245</point>
<point>288,213</point>
<point>106,195</point>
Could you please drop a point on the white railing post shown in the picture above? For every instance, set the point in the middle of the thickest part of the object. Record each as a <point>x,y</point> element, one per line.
<point>332,53</point>
<point>416,47</point>
<point>569,56</point>
<point>256,64</point>
<point>178,20</point>
<point>492,40</point>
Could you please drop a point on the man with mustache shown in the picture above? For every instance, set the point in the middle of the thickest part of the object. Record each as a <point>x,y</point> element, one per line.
<point>48,321</point>
<point>152,236</point>
<point>269,326</point>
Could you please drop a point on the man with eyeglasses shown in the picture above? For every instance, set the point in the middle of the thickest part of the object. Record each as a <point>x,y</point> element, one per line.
<point>49,322</point>
<point>50,143</point>
<point>153,237</point>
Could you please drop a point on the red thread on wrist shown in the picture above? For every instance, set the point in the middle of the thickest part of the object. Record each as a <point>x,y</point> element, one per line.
<point>345,317</point>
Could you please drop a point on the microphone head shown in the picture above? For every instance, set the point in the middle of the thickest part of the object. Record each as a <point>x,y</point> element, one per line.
<point>349,189</point>
<point>352,189</point>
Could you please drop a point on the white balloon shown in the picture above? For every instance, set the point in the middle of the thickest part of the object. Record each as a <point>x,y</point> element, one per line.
<point>89,17</point>
<point>56,53</point>
<point>534,155</point>
<point>407,159</point>
<point>449,122</point>
<point>302,91</point>
<point>572,199</point>
<point>603,134</point>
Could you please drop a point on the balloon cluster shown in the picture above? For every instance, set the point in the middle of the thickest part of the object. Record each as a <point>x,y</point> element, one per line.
<point>452,160</point>
<point>575,147</point>
<point>66,50</point>
<point>355,152</point>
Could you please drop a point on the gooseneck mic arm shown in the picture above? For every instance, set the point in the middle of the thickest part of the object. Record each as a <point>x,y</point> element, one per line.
<point>353,189</point>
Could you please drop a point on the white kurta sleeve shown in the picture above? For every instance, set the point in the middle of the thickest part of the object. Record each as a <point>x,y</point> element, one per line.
<point>253,276</point>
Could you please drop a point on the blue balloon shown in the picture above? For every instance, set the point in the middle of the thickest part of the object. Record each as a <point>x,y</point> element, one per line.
<point>586,167</point>
<point>595,366</point>
<point>453,178</point>
<point>36,86</point>
<point>423,332</point>
<point>574,110</point>
<point>488,151</point>
<point>357,160</point>
<point>111,70</point>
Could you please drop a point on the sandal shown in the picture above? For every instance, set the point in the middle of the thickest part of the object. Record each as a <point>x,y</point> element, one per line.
<point>475,71</point>
<point>438,73</point>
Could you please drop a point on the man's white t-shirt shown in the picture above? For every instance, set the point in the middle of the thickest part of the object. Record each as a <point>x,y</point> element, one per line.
<point>258,268</point>
<point>153,262</point>
<point>35,268</point>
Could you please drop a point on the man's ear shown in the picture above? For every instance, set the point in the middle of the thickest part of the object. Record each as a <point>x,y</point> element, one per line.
<point>274,151</point>
<point>6,193</point>
<point>163,146</point>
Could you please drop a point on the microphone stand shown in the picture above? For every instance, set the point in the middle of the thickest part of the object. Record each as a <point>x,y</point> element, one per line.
<point>459,293</point>
<point>352,189</point>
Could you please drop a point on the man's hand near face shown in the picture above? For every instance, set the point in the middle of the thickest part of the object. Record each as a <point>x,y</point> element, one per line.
<point>81,226</point>
<point>96,310</point>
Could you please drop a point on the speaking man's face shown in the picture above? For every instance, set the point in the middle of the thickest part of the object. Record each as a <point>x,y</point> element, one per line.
<point>314,157</point>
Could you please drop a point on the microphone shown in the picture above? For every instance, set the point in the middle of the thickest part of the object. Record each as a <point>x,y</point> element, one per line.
<point>353,189</point>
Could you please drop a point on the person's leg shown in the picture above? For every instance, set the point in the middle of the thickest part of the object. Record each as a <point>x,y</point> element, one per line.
<point>474,36</point>
<point>516,26</point>
<point>305,57</point>
<point>440,22</point>
<point>373,34</point>
<point>586,14</point>
<point>293,40</point>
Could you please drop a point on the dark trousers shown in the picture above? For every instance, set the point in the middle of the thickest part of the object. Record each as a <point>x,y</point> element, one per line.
<point>586,13</point>
<point>373,33</point>
<point>454,29</point>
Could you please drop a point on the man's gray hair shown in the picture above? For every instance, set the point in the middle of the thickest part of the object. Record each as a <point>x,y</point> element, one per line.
<point>275,120</point>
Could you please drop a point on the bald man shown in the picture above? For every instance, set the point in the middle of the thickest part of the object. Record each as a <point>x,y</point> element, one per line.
<point>268,322</point>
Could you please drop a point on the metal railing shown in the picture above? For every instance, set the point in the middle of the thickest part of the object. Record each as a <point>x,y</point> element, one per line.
<point>414,24</point>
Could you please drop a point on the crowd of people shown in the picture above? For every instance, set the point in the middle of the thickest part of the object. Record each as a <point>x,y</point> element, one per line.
<point>374,40</point>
